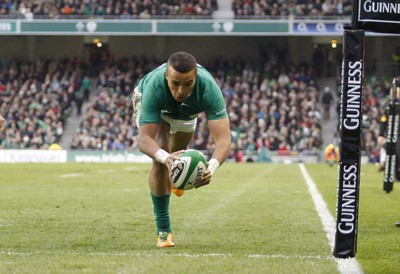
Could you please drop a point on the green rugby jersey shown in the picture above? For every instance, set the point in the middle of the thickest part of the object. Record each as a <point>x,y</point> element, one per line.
<point>157,98</point>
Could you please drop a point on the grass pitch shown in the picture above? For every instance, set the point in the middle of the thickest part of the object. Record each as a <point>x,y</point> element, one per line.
<point>253,218</point>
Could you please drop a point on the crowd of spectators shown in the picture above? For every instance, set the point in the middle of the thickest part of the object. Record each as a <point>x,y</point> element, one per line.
<point>123,9</point>
<point>35,99</point>
<point>297,8</point>
<point>133,9</point>
<point>270,106</point>
<point>108,123</point>
<point>375,101</point>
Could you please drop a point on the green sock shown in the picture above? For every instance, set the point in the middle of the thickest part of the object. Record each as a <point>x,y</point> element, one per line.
<point>161,212</point>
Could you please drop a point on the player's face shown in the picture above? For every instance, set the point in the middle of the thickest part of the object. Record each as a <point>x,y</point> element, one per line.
<point>180,84</point>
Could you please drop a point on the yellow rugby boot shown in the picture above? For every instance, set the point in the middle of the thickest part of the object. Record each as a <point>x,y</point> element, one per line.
<point>165,239</point>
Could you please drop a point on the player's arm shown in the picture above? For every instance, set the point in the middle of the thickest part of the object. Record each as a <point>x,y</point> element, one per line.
<point>148,145</point>
<point>221,134</point>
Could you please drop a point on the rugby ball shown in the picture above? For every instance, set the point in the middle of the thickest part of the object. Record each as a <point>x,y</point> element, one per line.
<point>189,169</point>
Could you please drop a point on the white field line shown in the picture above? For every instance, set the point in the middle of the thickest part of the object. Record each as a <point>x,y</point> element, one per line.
<point>156,254</point>
<point>130,168</point>
<point>69,175</point>
<point>105,170</point>
<point>345,266</point>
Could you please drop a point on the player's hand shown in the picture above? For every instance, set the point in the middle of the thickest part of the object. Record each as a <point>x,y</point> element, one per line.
<point>205,180</point>
<point>212,166</point>
<point>170,163</point>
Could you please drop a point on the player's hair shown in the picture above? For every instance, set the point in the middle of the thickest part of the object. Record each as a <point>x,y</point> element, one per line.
<point>182,62</point>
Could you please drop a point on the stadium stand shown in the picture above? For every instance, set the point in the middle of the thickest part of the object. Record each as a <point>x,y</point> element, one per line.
<point>36,99</point>
<point>376,98</point>
<point>116,9</point>
<point>168,9</point>
<point>108,123</point>
<point>298,8</point>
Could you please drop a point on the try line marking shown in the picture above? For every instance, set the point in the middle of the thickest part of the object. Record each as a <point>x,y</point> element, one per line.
<point>345,266</point>
<point>155,254</point>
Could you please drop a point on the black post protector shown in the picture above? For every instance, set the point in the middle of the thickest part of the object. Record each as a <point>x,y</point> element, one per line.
<point>377,15</point>
<point>391,141</point>
<point>350,143</point>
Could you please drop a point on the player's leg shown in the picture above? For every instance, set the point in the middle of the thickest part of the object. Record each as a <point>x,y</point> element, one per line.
<point>159,179</point>
<point>174,135</point>
<point>159,183</point>
<point>160,191</point>
<point>180,140</point>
